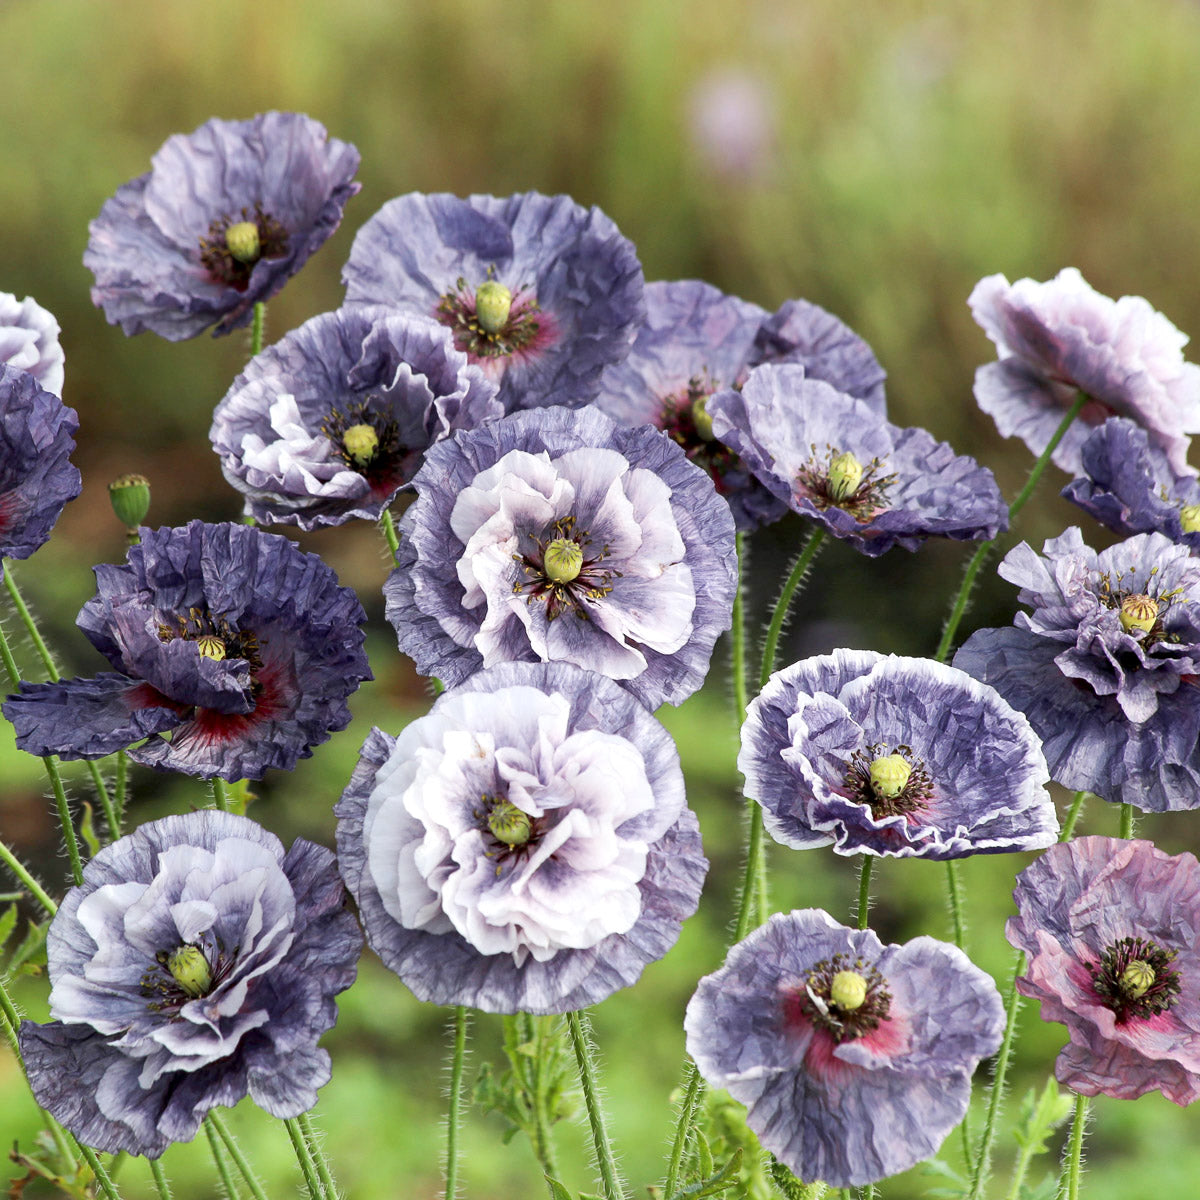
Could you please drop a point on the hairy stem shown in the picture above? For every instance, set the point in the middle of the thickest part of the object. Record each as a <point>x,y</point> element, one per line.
<point>1072,1168</point>
<point>304,1157</point>
<point>389,532</point>
<point>217,1123</point>
<point>1068,827</point>
<point>683,1127</point>
<point>607,1165</point>
<point>454,1110</point>
<point>30,884</point>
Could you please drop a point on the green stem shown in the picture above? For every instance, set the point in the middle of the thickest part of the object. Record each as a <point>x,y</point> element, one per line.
<point>864,889</point>
<point>1072,820</point>
<point>1126,821</point>
<point>454,1114</point>
<point>752,893</point>
<point>121,785</point>
<point>30,884</point>
<point>576,1022</point>
<point>977,560</point>
<point>957,909</point>
<point>683,1127</point>
<point>799,569</point>
<point>318,1155</point>
<point>1068,1181</point>
<point>160,1179</point>
<point>220,795</point>
<point>219,1159</point>
<point>218,1123</point>
<point>64,817</point>
<point>737,635</point>
<point>97,1167</point>
<point>304,1158</point>
<point>256,327</point>
<point>389,532</point>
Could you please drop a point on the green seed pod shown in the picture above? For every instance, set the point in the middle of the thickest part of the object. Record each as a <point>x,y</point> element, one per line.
<point>563,560</point>
<point>848,990</point>
<point>889,774</point>
<point>361,442</point>
<point>509,824</point>
<point>701,419</point>
<point>1137,979</point>
<point>1189,518</point>
<point>130,498</point>
<point>189,968</point>
<point>1138,612</point>
<point>242,241</point>
<point>492,304</point>
<point>211,646</point>
<point>845,475</point>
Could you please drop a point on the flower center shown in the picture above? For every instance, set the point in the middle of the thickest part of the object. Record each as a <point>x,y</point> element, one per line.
<point>509,824</point>
<point>1134,978</point>
<point>211,646</point>
<point>840,480</point>
<point>1189,518</point>
<point>563,572</point>
<point>1137,608</point>
<point>1139,612</point>
<point>214,637</point>
<point>232,247</point>
<point>684,419</point>
<point>847,997</point>
<point>889,781</point>
<point>491,321</point>
<point>368,441</point>
<point>189,968</point>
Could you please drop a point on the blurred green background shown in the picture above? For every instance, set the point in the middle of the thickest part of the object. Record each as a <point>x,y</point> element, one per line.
<point>877,159</point>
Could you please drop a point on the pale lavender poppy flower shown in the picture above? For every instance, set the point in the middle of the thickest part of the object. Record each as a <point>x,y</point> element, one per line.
<point>1110,930</point>
<point>1059,338</point>
<point>525,846</point>
<point>225,217</point>
<point>1105,665</point>
<point>555,535</point>
<point>196,963</point>
<point>879,754</point>
<point>332,421</point>
<point>29,340</point>
<point>538,291</point>
<point>854,1059</point>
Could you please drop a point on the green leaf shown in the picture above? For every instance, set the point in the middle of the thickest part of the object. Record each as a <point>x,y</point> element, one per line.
<point>1039,1116</point>
<point>8,922</point>
<point>790,1187</point>
<point>704,1158</point>
<point>30,956</point>
<point>726,1177</point>
<point>87,830</point>
<point>557,1191</point>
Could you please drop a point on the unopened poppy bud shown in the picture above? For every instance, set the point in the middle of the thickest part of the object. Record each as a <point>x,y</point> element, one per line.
<point>492,304</point>
<point>189,968</point>
<point>848,990</point>
<point>1138,612</point>
<point>563,560</point>
<point>242,241</point>
<point>845,475</point>
<point>889,774</point>
<point>130,498</point>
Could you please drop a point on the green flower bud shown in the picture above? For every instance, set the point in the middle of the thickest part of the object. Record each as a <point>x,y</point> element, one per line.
<point>361,442</point>
<point>701,419</point>
<point>492,304</point>
<point>845,475</point>
<point>509,824</point>
<point>1189,518</point>
<point>563,560</point>
<point>1137,979</point>
<point>189,968</point>
<point>889,774</point>
<point>211,646</point>
<point>130,498</point>
<point>241,240</point>
<point>848,990</point>
<point>1138,612</point>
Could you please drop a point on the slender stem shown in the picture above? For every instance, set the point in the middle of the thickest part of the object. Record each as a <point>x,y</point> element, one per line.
<point>454,1113</point>
<point>1072,1168</point>
<point>864,889</point>
<point>218,1123</point>
<point>256,327</point>
<point>751,893</point>
<point>219,1159</point>
<point>799,570</point>
<point>543,1141</point>
<point>389,532</point>
<point>160,1179</point>
<point>957,909</point>
<point>121,785</point>
<point>737,635</point>
<point>64,816</point>
<point>587,1080</point>
<point>1126,821</point>
<point>97,1167</point>
<point>220,795</point>
<point>318,1155</point>
<point>683,1127</point>
<point>304,1158</point>
<point>1072,820</point>
<point>30,626</point>
<point>30,884</point>
<point>110,812</point>
<point>977,560</point>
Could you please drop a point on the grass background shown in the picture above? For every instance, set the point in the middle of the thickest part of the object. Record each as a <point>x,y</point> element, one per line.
<point>899,152</point>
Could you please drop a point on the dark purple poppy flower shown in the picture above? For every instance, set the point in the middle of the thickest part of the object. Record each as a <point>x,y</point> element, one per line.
<point>523,847</point>
<point>36,475</point>
<point>831,458</point>
<point>225,217</point>
<point>697,341</point>
<point>854,1059</point>
<point>541,293</point>
<point>885,755</point>
<point>555,535</point>
<point>196,963</point>
<point>333,420</point>
<point>231,640</point>
<point>1110,930</point>
<point>1105,666</point>
<point>1129,486</point>
<point>29,340</point>
<point>1059,338</point>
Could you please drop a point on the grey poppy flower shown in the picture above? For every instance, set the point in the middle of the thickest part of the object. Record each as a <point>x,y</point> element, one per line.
<point>525,846</point>
<point>886,755</point>
<point>1105,665</point>
<point>832,459</point>
<point>196,963</point>
<point>331,422</point>
<point>225,217</point>
<point>541,293</point>
<point>29,340</point>
<point>555,535</point>
<point>1059,338</point>
<point>854,1059</point>
<point>1110,930</point>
